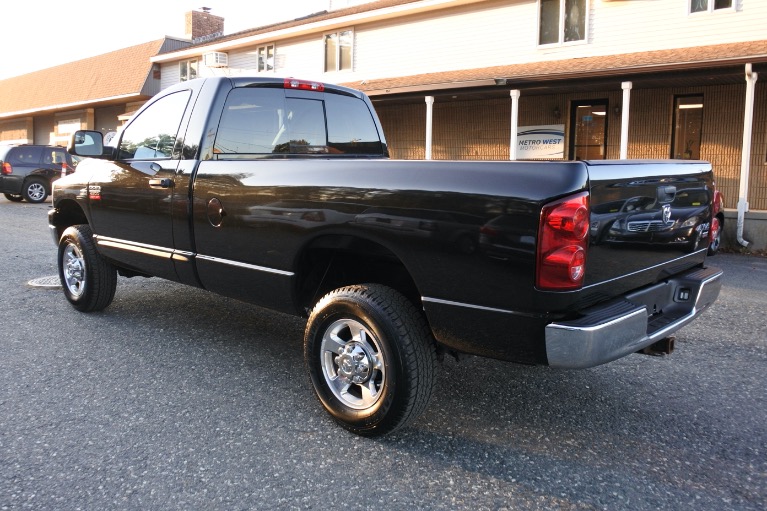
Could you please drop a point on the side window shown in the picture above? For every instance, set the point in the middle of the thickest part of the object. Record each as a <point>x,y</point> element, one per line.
<point>562,21</point>
<point>338,51</point>
<point>25,155</point>
<point>54,156</point>
<point>265,58</point>
<point>187,70</point>
<point>152,135</point>
<point>709,5</point>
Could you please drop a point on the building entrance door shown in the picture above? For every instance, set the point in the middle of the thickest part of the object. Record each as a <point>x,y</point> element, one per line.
<point>588,125</point>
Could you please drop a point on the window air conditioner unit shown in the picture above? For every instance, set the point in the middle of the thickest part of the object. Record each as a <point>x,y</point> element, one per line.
<point>216,59</point>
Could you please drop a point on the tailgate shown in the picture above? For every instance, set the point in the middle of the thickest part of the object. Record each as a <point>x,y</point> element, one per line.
<point>649,220</point>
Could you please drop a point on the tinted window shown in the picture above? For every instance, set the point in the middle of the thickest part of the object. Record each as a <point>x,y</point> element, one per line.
<point>253,122</point>
<point>152,135</point>
<point>25,155</point>
<point>351,129</point>
<point>263,121</point>
<point>305,128</point>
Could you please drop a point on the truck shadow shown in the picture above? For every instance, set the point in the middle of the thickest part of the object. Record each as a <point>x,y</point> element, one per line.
<point>535,428</point>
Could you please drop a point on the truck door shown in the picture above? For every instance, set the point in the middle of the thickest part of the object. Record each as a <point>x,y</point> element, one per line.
<point>132,198</point>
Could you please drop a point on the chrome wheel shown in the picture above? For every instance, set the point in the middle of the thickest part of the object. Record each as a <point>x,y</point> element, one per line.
<point>371,358</point>
<point>35,191</point>
<point>74,270</point>
<point>352,364</point>
<point>89,281</point>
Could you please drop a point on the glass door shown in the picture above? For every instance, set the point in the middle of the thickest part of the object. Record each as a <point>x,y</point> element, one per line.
<point>688,124</point>
<point>588,127</point>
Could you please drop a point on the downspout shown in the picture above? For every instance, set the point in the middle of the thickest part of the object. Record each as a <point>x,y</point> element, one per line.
<point>626,86</point>
<point>745,159</point>
<point>514,93</point>
<point>429,117</point>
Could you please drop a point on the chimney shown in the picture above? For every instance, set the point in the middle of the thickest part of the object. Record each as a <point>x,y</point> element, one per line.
<point>202,25</point>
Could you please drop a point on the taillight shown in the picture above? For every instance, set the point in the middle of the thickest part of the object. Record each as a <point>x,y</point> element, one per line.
<point>291,83</point>
<point>562,244</point>
<point>7,169</point>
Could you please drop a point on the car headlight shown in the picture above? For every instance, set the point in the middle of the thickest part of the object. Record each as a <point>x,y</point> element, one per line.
<point>690,222</point>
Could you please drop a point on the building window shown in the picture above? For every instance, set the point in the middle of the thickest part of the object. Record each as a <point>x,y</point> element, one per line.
<point>562,21</point>
<point>338,51</point>
<point>709,5</point>
<point>688,124</point>
<point>265,58</point>
<point>188,69</point>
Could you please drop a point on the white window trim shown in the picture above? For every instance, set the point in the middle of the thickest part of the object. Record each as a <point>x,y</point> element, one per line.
<point>710,9</point>
<point>187,63</point>
<point>561,29</point>
<point>265,47</point>
<point>338,51</point>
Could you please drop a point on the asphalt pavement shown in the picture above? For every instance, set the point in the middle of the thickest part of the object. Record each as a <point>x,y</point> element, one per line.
<point>174,398</point>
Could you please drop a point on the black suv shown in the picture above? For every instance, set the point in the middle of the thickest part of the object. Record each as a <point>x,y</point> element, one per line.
<point>26,171</point>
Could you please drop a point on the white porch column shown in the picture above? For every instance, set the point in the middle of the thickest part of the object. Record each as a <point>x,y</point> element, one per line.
<point>429,117</point>
<point>514,93</point>
<point>626,86</point>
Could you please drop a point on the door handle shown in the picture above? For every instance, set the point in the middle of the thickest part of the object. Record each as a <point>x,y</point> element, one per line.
<point>161,183</point>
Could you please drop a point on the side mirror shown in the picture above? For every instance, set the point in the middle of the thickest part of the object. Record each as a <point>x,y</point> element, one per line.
<point>86,143</point>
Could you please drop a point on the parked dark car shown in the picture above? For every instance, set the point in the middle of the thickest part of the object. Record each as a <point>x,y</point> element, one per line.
<point>26,171</point>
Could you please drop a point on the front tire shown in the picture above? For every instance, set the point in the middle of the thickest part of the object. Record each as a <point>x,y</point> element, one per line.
<point>35,190</point>
<point>89,281</point>
<point>371,358</point>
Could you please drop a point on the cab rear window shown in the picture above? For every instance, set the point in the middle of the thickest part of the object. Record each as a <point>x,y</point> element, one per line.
<point>264,122</point>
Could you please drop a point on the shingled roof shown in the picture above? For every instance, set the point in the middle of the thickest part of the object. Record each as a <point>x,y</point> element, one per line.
<point>678,59</point>
<point>121,73</point>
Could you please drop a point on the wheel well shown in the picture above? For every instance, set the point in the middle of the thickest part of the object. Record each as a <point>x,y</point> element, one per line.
<point>68,213</point>
<point>331,262</point>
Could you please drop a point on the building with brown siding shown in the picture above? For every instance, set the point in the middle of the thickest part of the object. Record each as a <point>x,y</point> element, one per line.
<point>454,79</point>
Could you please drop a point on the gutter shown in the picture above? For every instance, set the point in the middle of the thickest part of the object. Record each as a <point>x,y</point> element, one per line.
<point>745,160</point>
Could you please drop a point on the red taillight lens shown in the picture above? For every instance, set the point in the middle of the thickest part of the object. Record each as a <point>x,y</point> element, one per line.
<point>291,83</point>
<point>6,169</point>
<point>562,244</point>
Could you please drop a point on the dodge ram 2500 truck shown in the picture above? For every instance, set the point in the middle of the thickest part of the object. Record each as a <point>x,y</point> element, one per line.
<point>281,193</point>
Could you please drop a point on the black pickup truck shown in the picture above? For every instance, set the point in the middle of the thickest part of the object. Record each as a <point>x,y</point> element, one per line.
<point>281,193</point>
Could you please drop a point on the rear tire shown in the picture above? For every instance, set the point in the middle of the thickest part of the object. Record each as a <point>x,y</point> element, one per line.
<point>371,358</point>
<point>13,198</point>
<point>88,280</point>
<point>35,190</point>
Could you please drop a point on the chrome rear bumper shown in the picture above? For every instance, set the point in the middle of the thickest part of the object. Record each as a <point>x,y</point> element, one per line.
<point>610,331</point>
